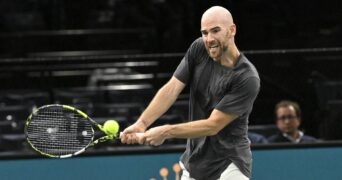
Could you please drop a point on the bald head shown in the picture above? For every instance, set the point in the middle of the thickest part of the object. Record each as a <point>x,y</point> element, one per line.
<point>219,14</point>
<point>218,31</point>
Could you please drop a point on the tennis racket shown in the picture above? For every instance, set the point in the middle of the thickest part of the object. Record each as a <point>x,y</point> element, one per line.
<point>62,131</point>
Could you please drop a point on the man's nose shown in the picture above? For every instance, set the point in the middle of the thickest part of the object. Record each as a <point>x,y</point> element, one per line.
<point>210,37</point>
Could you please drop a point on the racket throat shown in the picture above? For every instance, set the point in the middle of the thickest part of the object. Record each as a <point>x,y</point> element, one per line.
<point>104,139</point>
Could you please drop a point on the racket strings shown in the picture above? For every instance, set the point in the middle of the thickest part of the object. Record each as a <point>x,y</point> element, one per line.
<point>59,131</point>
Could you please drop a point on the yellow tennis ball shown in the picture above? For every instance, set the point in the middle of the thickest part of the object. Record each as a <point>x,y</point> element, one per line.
<point>111,127</point>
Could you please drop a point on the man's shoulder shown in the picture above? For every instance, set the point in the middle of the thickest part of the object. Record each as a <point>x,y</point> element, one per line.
<point>245,67</point>
<point>197,51</point>
<point>278,137</point>
<point>307,138</point>
<point>257,138</point>
<point>198,45</point>
<point>199,40</point>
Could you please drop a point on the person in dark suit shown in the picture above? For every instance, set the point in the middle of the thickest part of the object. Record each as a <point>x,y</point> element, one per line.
<point>288,120</point>
<point>256,138</point>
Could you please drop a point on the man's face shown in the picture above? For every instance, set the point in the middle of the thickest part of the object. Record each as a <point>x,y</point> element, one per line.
<point>215,36</point>
<point>287,119</point>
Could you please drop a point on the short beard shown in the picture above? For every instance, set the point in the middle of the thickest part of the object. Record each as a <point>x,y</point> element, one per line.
<point>224,49</point>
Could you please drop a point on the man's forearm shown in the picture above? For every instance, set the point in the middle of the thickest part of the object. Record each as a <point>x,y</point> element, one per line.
<point>198,128</point>
<point>162,101</point>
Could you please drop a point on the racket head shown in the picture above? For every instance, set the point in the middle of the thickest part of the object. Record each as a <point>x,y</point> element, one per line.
<point>59,131</point>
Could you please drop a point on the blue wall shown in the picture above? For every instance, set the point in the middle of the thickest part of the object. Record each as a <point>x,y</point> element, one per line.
<point>277,164</point>
<point>126,167</point>
<point>298,164</point>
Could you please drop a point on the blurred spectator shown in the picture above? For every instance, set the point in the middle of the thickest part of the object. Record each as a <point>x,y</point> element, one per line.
<point>256,138</point>
<point>288,120</point>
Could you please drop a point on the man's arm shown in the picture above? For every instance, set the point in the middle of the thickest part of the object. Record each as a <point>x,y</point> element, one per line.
<point>204,127</point>
<point>161,102</point>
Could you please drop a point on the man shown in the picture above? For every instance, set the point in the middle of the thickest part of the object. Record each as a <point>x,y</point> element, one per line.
<point>288,119</point>
<point>223,86</point>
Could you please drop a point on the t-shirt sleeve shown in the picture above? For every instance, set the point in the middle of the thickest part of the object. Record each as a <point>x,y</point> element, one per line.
<point>186,67</point>
<point>240,99</point>
<point>182,72</point>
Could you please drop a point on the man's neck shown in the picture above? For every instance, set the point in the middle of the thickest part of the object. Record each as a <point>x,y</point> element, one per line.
<point>231,57</point>
<point>294,136</point>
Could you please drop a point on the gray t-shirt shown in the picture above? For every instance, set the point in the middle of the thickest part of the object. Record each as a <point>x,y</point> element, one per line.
<point>230,90</point>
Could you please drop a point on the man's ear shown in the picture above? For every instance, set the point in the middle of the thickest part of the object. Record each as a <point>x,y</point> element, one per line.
<point>232,29</point>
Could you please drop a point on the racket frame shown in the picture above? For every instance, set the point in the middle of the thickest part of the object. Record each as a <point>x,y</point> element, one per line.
<point>85,116</point>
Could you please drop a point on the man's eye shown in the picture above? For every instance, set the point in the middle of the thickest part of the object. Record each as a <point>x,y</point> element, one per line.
<point>216,30</point>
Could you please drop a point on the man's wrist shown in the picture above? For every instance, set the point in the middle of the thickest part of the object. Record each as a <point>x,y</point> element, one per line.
<point>142,123</point>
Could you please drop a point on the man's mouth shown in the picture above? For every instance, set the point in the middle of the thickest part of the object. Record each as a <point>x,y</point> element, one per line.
<point>213,46</point>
